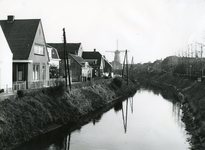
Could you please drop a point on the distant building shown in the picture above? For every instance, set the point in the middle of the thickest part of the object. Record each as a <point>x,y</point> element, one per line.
<point>98,62</point>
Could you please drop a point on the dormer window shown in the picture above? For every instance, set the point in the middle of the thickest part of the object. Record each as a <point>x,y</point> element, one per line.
<point>39,49</point>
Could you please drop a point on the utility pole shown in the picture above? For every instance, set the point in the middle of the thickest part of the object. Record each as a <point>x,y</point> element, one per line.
<point>127,67</point>
<point>125,61</point>
<point>66,59</point>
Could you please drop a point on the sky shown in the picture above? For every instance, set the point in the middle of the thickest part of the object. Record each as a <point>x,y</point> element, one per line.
<point>148,29</point>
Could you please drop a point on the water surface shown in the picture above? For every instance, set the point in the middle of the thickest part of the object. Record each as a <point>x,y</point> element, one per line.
<point>146,121</point>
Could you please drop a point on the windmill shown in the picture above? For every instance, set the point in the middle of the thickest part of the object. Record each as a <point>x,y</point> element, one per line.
<point>116,62</point>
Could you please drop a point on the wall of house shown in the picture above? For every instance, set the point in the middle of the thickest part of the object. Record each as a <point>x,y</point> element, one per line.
<point>80,51</point>
<point>108,67</point>
<point>75,69</point>
<point>6,57</point>
<point>42,60</point>
<point>6,71</point>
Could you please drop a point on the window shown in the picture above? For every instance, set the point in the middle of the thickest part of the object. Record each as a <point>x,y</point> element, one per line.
<point>43,72</point>
<point>36,72</point>
<point>39,49</point>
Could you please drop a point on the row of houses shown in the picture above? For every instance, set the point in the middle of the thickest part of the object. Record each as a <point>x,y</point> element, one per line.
<point>27,61</point>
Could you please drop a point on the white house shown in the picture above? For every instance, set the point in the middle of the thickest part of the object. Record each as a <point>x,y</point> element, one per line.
<point>53,55</point>
<point>6,57</point>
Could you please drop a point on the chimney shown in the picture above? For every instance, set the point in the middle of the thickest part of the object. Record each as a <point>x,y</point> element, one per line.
<point>10,18</point>
<point>94,50</point>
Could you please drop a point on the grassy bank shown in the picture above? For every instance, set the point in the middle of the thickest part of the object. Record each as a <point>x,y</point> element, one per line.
<point>34,112</point>
<point>193,103</point>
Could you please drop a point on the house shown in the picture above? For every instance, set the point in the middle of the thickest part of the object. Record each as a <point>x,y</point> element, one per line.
<point>54,62</point>
<point>73,48</point>
<point>97,62</point>
<point>108,69</point>
<point>79,68</point>
<point>30,56</point>
<point>6,57</point>
<point>53,56</point>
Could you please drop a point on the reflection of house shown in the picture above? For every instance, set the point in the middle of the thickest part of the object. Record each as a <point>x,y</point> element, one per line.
<point>27,43</point>
<point>96,61</point>
<point>78,67</point>
<point>5,64</point>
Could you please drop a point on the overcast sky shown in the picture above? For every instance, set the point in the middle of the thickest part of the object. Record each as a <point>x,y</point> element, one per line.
<point>149,29</point>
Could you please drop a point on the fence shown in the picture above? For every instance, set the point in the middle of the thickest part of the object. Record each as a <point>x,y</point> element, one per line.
<point>19,85</point>
<point>44,83</point>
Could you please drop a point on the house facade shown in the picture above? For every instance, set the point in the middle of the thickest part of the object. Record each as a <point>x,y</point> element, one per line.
<point>53,56</point>
<point>97,62</point>
<point>6,57</point>
<point>30,56</point>
<point>79,69</point>
<point>54,62</point>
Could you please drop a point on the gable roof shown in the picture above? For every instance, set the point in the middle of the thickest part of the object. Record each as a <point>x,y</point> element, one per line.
<point>92,55</point>
<point>53,52</point>
<point>78,59</point>
<point>20,35</point>
<point>72,48</point>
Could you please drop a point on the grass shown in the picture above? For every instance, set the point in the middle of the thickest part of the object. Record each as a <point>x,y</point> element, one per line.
<point>29,114</point>
<point>195,106</point>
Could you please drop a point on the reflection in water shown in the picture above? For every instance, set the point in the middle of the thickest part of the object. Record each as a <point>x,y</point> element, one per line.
<point>124,116</point>
<point>97,118</point>
<point>169,95</point>
<point>105,131</point>
<point>119,106</point>
<point>68,137</point>
<point>131,103</point>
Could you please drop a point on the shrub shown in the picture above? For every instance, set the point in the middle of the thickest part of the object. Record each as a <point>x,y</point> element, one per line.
<point>117,81</point>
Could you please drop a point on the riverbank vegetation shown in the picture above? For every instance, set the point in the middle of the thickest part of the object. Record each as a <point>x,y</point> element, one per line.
<point>193,102</point>
<point>35,112</point>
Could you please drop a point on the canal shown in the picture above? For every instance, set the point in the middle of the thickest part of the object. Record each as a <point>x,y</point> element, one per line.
<point>146,121</point>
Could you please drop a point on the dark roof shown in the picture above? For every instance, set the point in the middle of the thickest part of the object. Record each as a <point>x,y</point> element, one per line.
<point>92,55</point>
<point>78,59</point>
<point>20,35</point>
<point>72,48</point>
